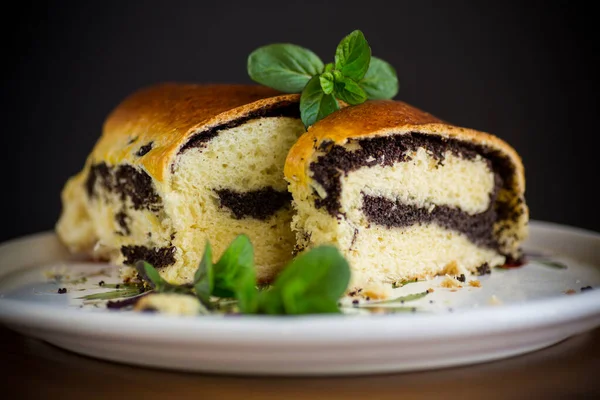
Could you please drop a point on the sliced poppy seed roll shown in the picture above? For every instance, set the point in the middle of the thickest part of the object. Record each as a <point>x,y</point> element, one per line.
<point>406,196</point>
<point>178,165</point>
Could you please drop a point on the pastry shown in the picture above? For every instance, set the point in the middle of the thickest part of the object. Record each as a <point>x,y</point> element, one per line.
<point>178,165</point>
<point>405,195</point>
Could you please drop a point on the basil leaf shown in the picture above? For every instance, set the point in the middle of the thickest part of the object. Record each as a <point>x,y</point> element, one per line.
<point>315,104</point>
<point>235,276</point>
<point>353,55</point>
<point>380,81</point>
<point>148,273</point>
<point>203,278</point>
<point>237,256</point>
<point>269,302</point>
<point>349,91</point>
<point>246,292</point>
<point>282,66</point>
<point>311,283</point>
<point>326,81</point>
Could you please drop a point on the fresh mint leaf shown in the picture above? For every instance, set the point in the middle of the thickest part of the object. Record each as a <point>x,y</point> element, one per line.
<point>204,277</point>
<point>149,274</point>
<point>312,283</point>
<point>238,256</point>
<point>326,81</point>
<point>282,66</point>
<point>315,104</point>
<point>356,75</point>
<point>353,55</point>
<point>349,91</point>
<point>235,275</point>
<point>246,292</point>
<point>380,81</point>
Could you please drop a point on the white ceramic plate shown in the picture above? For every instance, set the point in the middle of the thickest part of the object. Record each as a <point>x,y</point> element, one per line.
<point>513,312</point>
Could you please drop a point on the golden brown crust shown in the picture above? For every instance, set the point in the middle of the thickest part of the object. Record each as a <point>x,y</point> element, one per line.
<point>168,114</point>
<point>382,118</point>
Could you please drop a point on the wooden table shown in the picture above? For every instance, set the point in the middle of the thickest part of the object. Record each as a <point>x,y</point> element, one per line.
<point>34,369</point>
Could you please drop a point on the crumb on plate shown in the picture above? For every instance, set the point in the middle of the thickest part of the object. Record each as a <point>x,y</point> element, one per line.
<point>169,303</point>
<point>450,283</point>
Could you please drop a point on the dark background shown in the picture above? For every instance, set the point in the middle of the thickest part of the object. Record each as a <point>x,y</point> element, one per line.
<point>525,73</point>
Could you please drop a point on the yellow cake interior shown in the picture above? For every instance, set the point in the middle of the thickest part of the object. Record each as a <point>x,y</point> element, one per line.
<point>187,211</point>
<point>381,251</point>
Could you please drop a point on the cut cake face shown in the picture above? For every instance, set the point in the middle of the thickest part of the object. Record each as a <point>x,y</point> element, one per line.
<point>180,165</point>
<point>402,194</point>
<point>405,196</point>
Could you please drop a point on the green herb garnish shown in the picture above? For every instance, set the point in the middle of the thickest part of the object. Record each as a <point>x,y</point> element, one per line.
<point>235,276</point>
<point>354,77</point>
<point>552,264</point>
<point>113,294</point>
<point>151,276</point>
<point>311,283</point>
<point>203,278</point>
<point>396,285</point>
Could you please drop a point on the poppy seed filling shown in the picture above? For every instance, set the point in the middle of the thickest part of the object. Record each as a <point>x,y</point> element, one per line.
<point>337,162</point>
<point>258,204</point>
<point>157,256</point>
<point>127,182</point>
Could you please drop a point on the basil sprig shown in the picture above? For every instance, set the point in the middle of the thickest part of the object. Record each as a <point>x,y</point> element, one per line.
<point>233,276</point>
<point>204,281</point>
<point>315,103</point>
<point>354,77</point>
<point>285,67</point>
<point>150,275</point>
<point>311,283</point>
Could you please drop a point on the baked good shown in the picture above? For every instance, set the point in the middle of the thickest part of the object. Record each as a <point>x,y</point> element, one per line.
<point>178,165</point>
<point>169,303</point>
<point>405,195</point>
<point>402,194</point>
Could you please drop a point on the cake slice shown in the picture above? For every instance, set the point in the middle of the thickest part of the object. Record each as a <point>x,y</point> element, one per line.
<point>178,165</point>
<point>406,196</point>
